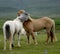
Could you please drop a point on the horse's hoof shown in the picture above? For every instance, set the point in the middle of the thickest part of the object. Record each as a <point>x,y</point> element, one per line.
<point>4,49</point>
<point>46,43</point>
<point>12,45</point>
<point>10,49</point>
<point>36,43</point>
<point>19,45</point>
<point>28,43</point>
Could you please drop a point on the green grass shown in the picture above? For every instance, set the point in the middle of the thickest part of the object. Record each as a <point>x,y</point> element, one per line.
<point>57,22</point>
<point>41,48</point>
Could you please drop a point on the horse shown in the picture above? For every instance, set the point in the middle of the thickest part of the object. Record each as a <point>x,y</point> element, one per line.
<point>33,25</point>
<point>10,28</point>
<point>23,32</point>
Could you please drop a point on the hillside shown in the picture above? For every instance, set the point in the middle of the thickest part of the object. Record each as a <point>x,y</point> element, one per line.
<point>34,7</point>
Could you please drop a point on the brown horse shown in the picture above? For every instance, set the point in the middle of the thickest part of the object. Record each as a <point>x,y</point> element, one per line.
<point>34,25</point>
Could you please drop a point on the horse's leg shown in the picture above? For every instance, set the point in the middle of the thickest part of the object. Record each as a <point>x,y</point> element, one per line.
<point>55,38</point>
<point>33,37</point>
<point>19,39</point>
<point>48,35</point>
<point>11,42</point>
<point>5,41</point>
<point>52,33</point>
<point>28,41</point>
<point>52,36</point>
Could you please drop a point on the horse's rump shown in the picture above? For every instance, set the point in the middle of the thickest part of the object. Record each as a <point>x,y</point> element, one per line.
<point>7,30</point>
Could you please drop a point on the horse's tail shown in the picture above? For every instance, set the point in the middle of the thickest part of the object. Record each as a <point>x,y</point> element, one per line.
<point>52,32</point>
<point>7,30</point>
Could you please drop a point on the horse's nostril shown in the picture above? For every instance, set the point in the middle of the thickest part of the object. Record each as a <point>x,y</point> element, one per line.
<point>26,14</point>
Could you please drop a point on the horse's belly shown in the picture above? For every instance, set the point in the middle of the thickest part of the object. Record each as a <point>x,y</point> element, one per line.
<point>37,27</point>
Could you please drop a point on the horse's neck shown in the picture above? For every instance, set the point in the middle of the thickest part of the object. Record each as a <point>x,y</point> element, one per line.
<point>30,18</point>
<point>16,20</point>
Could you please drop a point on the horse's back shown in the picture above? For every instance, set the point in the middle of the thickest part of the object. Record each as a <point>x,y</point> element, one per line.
<point>7,22</point>
<point>42,19</point>
<point>47,21</point>
<point>44,22</point>
<point>11,24</point>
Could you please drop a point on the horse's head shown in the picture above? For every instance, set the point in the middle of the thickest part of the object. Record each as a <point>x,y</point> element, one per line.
<point>24,16</point>
<point>20,12</point>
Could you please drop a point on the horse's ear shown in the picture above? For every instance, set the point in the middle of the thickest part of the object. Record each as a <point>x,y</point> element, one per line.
<point>21,11</point>
<point>18,14</point>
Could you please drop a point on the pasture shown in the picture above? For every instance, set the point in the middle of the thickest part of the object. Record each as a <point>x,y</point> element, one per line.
<point>41,48</point>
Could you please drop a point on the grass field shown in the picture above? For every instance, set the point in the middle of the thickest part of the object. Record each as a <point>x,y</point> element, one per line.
<point>41,48</point>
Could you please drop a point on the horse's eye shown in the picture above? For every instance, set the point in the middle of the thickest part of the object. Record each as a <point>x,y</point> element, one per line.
<point>26,13</point>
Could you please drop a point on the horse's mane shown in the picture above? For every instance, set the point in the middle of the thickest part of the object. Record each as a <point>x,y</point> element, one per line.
<point>17,19</point>
<point>30,19</point>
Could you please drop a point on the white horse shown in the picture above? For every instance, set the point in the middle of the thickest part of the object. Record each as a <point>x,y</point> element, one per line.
<point>23,32</point>
<point>9,30</point>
